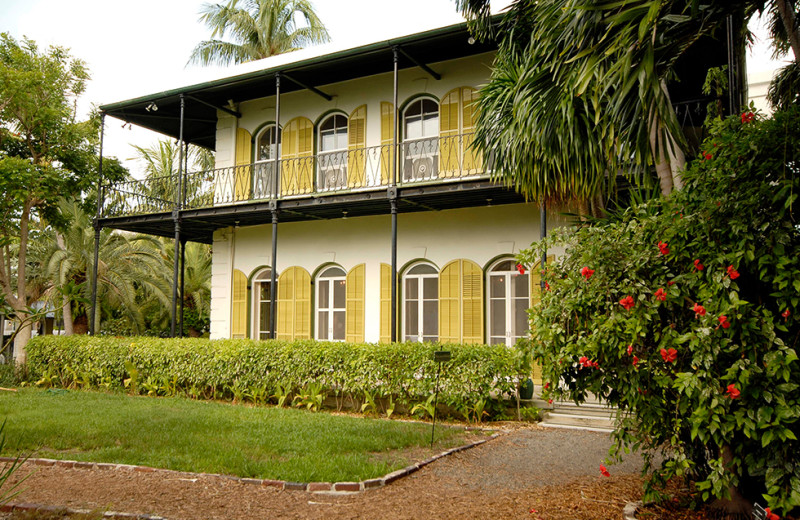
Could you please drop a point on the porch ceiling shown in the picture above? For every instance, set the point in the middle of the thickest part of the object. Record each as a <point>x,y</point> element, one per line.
<point>199,225</point>
<point>200,120</point>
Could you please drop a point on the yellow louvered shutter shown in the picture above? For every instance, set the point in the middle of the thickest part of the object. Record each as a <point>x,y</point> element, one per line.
<point>448,134</point>
<point>471,302</point>
<point>294,304</point>
<point>461,302</point>
<point>355,304</point>
<point>238,305</point>
<point>297,165</point>
<point>356,148</point>
<point>387,140</point>
<point>449,303</point>
<point>241,177</point>
<point>386,303</point>
<point>473,161</point>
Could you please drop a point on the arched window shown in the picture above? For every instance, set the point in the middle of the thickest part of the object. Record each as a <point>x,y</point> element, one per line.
<point>421,303</point>
<point>331,304</point>
<point>420,150</point>
<point>509,299</point>
<point>262,303</point>
<point>263,171</point>
<point>332,171</point>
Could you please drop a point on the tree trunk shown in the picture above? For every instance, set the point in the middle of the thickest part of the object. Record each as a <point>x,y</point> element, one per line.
<point>736,506</point>
<point>660,158</point>
<point>66,311</point>
<point>786,10</point>
<point>21,341</point>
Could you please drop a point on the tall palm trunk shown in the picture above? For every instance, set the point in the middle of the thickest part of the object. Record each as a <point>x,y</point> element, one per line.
<point>66,308</point>
<point>660,157</point>
<point>786,9</point>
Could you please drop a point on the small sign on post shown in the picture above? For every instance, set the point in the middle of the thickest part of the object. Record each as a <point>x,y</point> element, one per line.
<point>439,356</point>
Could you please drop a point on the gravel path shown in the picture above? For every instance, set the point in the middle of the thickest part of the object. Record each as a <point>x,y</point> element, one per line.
<point>553,471</point>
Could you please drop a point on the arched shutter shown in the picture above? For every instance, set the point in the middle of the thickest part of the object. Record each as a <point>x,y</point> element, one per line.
<point>238,305</point>
<point>473,160</point>
<point>297,161</point>
<point>386,303</point>
<point>242,172</point>
<point>356,148</point>
<point>457,116</point>
<point>461,302</point>
<point>354,306</point>
<point>294,304</point>
<point>387,140</point>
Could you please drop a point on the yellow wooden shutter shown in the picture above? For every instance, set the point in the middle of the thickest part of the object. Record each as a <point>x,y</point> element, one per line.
<point>471,302</point>
<point>473,160</point>
<point>449,303</point>
<point>355,304</point>
<point>242,172</point>
<point>294,304</point>
<point>387,140</point>
<point>448,134</point>
<point>356,148</point>
<point>297,165</point>
<point>238,305</point>
<point>461,302</point>
<point>386,303</point>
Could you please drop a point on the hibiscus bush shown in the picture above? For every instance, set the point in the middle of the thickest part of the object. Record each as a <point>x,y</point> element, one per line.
<point>683,313</point>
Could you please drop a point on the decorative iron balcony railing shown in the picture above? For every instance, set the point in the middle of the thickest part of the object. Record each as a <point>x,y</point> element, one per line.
<point>431,160</point>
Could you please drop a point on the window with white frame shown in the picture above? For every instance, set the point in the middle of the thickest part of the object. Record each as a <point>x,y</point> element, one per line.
<point>267,150</point>
<point>262,303</point>
<point>421,140</point>
<point>509,299</point>
<point>421,303</point>
<point>331,301</point>
<point>332,156</point>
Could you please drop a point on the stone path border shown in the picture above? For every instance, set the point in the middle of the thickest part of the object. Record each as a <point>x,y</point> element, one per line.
<point>629,513</point>
<point>310,487</point>
<point>115,515</point>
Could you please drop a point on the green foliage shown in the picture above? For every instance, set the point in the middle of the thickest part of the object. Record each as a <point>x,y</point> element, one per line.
<point>530,414</point>
<point>8,469</point>
<point>301,372</point>
<point>703,362</point>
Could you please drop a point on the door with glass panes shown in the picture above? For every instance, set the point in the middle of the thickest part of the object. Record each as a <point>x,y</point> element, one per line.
<point>331,304</point>
<point>421,304</point>
<point>509,299</point>
<point>262,303</point>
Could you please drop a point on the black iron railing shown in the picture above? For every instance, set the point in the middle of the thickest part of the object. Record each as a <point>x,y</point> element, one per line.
<point>442,159</point>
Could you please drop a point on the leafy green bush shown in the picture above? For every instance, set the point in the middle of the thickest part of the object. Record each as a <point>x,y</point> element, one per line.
<point>684,311</point>
<point>278,370</point>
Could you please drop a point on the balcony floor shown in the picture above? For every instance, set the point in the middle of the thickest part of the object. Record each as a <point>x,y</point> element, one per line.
<point>198,225</point>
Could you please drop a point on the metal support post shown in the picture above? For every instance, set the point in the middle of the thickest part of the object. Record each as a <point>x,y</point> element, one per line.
<point>183,275</point>
<point>277,146</point>
<point>97,227</point>
<point>176,217</point>
<point>393,310</point>
<point>393,197</point>
<point>272,276</point>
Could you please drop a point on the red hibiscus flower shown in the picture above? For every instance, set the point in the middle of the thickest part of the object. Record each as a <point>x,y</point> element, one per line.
<point>587,273</point>
<point>733,273</point>
<point>723,322</point>
<point>627,302</point>
<point>604,471</point>
<point>635,360</point>
<point>662,246</point>
<point>521,268</point>
<point>661,294</point>
<point>699,310</point>
<point>786,314</point>
<point>549,401</point>
<point>771,515</point>
<point>732,392</point>
<point>630,349</point>
<point>546,286</point>
<point>748,117</point>
<point>698,265</point>
<point>670,283</point>
<point>546,386</point>
<point>706,156</point>
<point>669,356</point>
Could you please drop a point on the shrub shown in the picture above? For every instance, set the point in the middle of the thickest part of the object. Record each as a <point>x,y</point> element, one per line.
<point>689,319</point>
<point>247,368</point>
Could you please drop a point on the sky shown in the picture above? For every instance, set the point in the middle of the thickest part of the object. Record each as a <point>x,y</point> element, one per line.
<point>138,48</point>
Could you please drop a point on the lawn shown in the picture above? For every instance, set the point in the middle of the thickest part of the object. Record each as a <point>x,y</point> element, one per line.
<point>201,436</point>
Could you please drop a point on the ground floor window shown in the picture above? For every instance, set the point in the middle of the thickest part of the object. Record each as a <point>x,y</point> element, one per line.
<point>509,299</point>
<point>331,304</point>
<point>421,303</point>
<point>262,303</point>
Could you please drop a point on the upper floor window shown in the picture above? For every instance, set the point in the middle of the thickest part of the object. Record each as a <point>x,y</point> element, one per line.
<point>266,147</point>
<point>331,304</point>
<point>267,150</point>
<point>332,171</point>
<point>420,152</point>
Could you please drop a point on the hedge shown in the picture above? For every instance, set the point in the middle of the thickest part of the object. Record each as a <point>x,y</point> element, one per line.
<point>262,369</point>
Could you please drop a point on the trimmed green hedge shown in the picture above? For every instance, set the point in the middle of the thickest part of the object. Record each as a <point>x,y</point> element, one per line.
<point>258,370</point>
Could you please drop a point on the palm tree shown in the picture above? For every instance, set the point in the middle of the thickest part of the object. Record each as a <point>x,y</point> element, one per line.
<point>258,29</point>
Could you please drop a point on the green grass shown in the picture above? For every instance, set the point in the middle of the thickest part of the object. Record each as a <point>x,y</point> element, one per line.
<point>201,436</point>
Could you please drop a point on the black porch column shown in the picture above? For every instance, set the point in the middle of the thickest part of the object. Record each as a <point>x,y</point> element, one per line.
<point>273,272</point>
<point>183,276</point>
<point>176,217</point>
<point>97,228</point>
<point>393,201</point>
